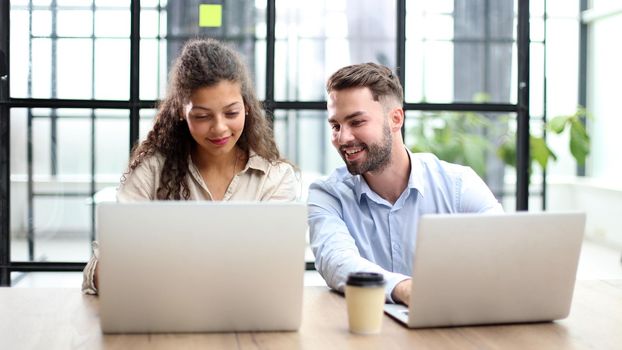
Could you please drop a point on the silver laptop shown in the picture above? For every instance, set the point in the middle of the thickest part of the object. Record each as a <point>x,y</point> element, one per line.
<point>201,266</point>
<point>472,269</point>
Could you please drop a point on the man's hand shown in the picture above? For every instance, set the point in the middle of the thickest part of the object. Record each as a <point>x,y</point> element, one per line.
<point>401,292</point>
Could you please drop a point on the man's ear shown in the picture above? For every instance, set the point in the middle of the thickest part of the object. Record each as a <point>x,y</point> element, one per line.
<point>396,119</point>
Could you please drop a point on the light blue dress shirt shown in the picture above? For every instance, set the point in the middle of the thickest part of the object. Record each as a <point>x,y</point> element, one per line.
<point>354,229</point>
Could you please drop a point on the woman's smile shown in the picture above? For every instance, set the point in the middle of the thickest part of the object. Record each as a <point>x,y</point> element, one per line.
<point>220,141</point>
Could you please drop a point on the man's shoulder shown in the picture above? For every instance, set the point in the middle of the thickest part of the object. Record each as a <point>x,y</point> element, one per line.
<point>338,181</point>
<point>430,163</point>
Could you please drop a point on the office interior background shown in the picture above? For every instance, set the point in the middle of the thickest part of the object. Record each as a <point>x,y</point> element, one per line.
<point>81,80</point>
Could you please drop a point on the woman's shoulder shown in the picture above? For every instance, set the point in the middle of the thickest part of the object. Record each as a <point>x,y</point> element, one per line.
<point>153,160</point>
<point>278,166</point>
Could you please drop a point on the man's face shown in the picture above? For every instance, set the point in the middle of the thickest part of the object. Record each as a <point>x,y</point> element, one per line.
<point>360,130</point>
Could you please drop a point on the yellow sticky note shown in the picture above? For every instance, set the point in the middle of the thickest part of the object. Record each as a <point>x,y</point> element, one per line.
<point>210,15</point>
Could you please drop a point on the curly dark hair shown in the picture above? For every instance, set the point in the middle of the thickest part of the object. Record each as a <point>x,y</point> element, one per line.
<point>202,63</point>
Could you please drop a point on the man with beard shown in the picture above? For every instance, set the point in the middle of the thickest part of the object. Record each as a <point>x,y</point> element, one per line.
<point>364,216</point>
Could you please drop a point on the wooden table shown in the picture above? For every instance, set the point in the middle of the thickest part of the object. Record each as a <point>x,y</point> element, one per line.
<point>66,319</point>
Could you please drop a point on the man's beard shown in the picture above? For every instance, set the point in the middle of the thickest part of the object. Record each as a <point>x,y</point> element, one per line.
<point>378,155</point>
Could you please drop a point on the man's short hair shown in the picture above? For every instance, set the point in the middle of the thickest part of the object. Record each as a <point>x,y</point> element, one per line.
<point>379,79</point>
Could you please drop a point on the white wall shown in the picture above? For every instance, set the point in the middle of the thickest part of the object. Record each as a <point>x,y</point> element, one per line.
<point>604,78</point>
<point>601,201</point>
<point>600,193</point>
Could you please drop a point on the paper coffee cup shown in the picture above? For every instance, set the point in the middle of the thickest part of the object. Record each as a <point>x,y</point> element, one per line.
<point>365,301</point>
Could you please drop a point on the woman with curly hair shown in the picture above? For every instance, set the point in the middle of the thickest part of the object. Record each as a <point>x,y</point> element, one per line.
<point>210,140</point>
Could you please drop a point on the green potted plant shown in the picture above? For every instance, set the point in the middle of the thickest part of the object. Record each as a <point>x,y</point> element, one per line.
<point>579,141</point>
<point>461,137</point>
<point>456,137</point>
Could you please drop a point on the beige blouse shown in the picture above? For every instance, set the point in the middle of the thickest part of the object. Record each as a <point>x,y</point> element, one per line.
<point>260,180</point>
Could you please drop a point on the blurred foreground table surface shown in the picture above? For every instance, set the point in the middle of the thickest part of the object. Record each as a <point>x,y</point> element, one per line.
<point>34,318</point>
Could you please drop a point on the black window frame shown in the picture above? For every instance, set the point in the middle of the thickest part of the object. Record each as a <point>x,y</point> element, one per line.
<point>135,104</point>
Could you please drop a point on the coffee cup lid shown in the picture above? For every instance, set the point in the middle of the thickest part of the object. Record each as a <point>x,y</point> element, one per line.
<point>365,279</point>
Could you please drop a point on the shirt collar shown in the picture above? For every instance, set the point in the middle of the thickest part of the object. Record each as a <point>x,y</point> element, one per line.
<point>257,162</point>
<point>415,180</point>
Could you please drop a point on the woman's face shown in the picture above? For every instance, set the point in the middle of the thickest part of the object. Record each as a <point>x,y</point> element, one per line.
<point>215,117</point>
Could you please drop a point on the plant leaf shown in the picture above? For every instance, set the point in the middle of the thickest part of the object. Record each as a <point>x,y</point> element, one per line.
<point>540,152</point>
<point>579,142</point>
<point>558,124</point>
<point>507,151</point>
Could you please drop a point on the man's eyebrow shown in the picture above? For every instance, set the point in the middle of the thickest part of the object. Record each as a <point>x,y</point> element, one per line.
<point>347,117</point>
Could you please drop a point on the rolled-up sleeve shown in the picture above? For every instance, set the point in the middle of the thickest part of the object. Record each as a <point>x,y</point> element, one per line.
<point>88,284</point>
<point>336,254</point>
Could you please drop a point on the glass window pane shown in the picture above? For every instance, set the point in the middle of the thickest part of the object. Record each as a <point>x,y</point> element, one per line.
<point>147,3</point>
<point>299,84</point>
<point>147,118</point>
<point>316,38</point>
<point>149,23</point>
<point>41,149</point>
<point>114,3</point>
<point>260,69</point>
<point>61,229</point>
<point>61,66</point>
<point>536,8</point>
<point>74,77</point>
<point>438,71</point>
<point>41,23</point>
<point>163,22</point>
<point>19,42</point>
<point>562,43</point>
<point>280,126</point>
<point>73,142</point>
<point>73,3</point>
<point>563,8</point>
<point>112,69</point>
<point>62,156</point>
<point>153,69</point>
<point>501,20</point>
<point>112,23</point>
<point>460,53</point>
<point>536,27</point>
<point>178,22</point>
<point>304,138</point>
<point>74,23</point>
<point>19,132</point>
<point>41,76</point>
<point>536,79</point>
<point>312,131</point>
<point>112,146</point>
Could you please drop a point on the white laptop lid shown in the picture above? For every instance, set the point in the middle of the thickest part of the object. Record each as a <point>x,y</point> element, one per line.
<point>201,266</point>
<point>493,268</point>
